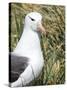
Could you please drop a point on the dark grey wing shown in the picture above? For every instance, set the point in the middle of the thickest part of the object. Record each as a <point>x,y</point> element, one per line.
<point>17,64</point>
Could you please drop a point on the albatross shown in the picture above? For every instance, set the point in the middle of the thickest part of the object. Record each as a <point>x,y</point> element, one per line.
<point>26,61</point>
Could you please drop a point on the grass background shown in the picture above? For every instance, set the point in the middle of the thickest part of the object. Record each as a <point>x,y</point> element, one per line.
<point>53,46</point>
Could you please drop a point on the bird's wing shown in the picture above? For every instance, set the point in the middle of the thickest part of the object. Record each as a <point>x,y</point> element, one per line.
<point>17,64</point>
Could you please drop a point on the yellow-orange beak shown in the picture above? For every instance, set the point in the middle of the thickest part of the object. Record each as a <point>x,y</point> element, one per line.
<point>41,28</point>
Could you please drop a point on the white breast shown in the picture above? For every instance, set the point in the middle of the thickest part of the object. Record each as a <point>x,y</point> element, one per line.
<point>29,46</point>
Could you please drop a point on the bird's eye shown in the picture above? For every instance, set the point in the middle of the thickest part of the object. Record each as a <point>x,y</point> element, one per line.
<point>32,18</point>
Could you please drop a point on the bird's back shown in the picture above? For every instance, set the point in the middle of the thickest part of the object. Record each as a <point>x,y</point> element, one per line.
<point>17,65</point>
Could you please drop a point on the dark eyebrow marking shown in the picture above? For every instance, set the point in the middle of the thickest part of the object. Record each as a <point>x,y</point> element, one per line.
<point>32,18</point>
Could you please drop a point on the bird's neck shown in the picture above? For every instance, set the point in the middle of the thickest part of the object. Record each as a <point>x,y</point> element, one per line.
<point>28,43</point>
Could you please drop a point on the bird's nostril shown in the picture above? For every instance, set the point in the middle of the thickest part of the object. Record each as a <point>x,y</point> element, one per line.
<point>40,28</point>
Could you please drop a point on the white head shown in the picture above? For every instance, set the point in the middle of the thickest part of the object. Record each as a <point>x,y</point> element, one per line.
<point>33,20</point>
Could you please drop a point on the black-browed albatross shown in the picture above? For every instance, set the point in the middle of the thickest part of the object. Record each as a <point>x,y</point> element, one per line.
<point>27,59</point>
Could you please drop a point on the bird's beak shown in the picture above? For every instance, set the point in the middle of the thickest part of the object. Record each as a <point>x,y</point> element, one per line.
<point>41,28</point>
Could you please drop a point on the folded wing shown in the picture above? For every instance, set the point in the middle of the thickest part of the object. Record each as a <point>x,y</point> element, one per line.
<point>17,65</point>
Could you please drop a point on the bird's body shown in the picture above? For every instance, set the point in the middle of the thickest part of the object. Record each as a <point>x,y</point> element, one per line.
<point>29,47</point>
